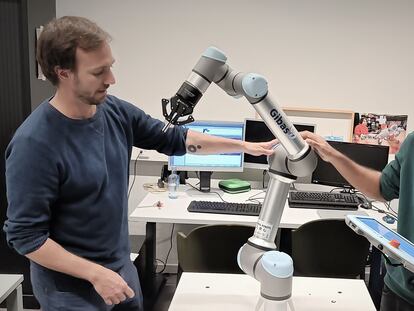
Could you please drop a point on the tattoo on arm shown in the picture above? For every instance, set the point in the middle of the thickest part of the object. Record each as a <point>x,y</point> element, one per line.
<point>193,148</point>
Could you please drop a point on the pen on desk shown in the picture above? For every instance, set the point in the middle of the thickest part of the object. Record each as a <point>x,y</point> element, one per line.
<point>158,204</point>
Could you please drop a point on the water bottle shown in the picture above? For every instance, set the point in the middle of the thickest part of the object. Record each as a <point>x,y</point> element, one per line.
<point>173,182</point>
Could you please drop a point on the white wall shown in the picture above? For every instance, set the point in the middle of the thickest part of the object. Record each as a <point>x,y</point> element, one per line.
<point>344,54</point>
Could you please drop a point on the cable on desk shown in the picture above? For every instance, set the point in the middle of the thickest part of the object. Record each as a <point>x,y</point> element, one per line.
<point>388,205</point>
<point>254,199</point>
<point>168,253</point>
<point>135,173</point>
<point>376,208</point>
<point>205,192</point>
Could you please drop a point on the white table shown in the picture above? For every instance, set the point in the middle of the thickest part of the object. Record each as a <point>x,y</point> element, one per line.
<point>211,291</point>
<point>175,211</point>
<point>11,291</point>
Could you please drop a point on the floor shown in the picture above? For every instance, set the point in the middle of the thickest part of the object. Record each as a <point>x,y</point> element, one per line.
<point>164,298</point>
<point>166,294</point>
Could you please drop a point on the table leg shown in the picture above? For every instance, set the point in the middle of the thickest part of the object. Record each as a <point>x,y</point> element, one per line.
<point>153,282</point>
<point>14,301</point>
<point>376,277</point>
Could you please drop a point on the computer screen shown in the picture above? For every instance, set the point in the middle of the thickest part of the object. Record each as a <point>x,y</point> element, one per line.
<point>257,131</point>
<point>223,162</point>
<point>372,156</point>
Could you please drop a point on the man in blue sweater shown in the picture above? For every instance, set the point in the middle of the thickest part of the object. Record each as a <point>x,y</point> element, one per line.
<point>67,174</point>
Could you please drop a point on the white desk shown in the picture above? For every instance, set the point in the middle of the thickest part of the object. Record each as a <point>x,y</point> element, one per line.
<point>11,291</point>
<point>210,291</point>
<point>175,211</point>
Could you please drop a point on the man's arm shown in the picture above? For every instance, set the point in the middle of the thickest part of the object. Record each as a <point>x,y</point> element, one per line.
<point>199,143</point>
<point>362,178</point>
<point>109,284</point>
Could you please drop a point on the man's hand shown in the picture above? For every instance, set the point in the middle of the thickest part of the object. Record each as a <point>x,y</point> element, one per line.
<point>320,145</point>
<point>257,149</point>
<point>110,286</point>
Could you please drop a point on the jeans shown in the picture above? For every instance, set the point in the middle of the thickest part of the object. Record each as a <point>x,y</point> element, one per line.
<point>58,291</point>
<point>392,302</point>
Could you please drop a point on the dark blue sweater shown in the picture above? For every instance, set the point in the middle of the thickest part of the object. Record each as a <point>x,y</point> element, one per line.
<point>68,179</point>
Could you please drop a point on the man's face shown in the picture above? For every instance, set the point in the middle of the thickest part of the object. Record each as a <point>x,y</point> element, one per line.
<point>93,75</point>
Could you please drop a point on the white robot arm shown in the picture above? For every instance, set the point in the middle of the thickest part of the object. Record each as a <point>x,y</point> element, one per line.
<point>292,158</point>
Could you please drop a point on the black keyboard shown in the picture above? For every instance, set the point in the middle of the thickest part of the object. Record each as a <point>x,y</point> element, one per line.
<point>323,200</point>
<point>248,209</point>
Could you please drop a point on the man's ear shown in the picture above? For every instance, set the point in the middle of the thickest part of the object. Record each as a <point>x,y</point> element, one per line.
<point>62,74</point>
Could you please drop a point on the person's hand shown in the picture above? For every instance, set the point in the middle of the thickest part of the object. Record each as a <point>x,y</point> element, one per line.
<point>257,149</point>
<point>111,286</point>
<point>320,145</point>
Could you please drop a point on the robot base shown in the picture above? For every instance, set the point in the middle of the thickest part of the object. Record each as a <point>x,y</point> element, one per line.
<point>264,304</point>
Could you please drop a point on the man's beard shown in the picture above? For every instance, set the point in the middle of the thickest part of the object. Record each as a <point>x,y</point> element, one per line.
<point>86,98</point>
<point>90,100</point>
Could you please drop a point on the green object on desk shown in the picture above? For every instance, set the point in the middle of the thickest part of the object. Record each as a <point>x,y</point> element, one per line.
<point>234,185</point>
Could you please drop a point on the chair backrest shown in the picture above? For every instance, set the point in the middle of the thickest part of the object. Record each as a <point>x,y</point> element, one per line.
<point>212,248</point>
<point>328,248</point>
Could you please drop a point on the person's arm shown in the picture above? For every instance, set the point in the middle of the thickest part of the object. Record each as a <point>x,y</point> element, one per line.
<point>362,178</point>
<point>199,143</point>
<point>108,284</point>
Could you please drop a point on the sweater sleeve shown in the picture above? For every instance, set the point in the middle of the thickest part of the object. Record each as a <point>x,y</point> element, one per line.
<point>32,183</point>
<point>148,134</point>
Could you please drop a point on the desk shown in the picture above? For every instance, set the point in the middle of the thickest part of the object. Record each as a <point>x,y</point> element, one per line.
<point>11,291</point>
<point>210,291</point>
<point>175,211</point>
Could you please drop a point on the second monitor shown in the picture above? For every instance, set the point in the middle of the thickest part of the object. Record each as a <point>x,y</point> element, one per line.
<point>257,131</point>
<point>372,156</point>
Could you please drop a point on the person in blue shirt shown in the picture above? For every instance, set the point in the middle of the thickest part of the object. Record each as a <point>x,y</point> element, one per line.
<point>67,172</point>
<point>395,181</point>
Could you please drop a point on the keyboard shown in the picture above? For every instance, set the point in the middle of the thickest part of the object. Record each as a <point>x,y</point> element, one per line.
<point>248,209</point>
<point>323,200</point>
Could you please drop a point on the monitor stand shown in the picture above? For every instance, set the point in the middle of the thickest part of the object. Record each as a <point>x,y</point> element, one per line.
<point>205,178</point>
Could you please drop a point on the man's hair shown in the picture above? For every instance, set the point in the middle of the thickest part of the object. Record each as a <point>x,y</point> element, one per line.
<point>59,40</point>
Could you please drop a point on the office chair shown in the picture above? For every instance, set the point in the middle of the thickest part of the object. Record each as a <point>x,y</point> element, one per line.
<point>328,248</point>
<point>211,248</point>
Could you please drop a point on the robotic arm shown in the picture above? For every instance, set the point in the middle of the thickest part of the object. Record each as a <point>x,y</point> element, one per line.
<point>293,158</point>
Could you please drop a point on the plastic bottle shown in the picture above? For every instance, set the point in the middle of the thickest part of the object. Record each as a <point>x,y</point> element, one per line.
<point>173,182</point>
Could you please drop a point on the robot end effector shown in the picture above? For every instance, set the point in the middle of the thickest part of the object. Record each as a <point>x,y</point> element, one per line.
<point>181,104</point>
<point>211,67</point>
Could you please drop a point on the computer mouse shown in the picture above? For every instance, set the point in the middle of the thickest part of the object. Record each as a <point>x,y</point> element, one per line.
<point>160,183</point>
<point>388,219</point>
<point>365,205</point>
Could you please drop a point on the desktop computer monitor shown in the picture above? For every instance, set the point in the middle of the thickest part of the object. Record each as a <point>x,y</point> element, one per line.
<point>205,164</point>
<point>372,156</point>
<point>257,131</point>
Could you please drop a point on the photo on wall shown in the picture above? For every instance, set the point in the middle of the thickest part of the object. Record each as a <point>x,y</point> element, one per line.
<point>380,129</point>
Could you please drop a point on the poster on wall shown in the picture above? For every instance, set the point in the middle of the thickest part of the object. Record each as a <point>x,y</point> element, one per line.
<point>40,74</point>
<point>380,129</point>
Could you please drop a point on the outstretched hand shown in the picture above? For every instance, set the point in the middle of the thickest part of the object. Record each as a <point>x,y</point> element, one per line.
<point>258,149</point>
<point>320,145</point>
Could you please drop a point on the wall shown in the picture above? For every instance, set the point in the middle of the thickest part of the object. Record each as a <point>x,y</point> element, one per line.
<point>344,54</point>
